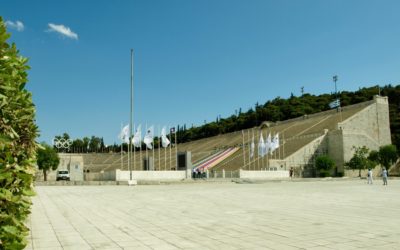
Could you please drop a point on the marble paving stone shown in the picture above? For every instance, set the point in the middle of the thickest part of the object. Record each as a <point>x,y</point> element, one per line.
<point>274,215</point>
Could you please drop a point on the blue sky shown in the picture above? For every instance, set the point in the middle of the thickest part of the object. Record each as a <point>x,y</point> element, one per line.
<point>194,60</point>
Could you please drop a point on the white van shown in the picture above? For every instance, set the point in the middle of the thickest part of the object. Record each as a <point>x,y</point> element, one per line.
<point>63,175</point>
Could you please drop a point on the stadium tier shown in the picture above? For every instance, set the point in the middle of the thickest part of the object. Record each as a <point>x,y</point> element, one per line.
<point>294,135</point>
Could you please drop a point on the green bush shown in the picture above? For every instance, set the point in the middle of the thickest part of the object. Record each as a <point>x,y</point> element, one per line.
<point>17,145</point>
<point>324,165</point>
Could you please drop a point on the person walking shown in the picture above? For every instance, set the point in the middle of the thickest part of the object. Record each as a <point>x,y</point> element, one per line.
<point>384,176</point>
<point>369,176</point>
<point>291,173</point>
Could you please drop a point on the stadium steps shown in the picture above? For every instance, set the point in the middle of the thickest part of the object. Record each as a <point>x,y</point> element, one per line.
<point>295,133</point>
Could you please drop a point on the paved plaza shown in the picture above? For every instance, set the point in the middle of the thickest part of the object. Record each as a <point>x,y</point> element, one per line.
<point>275,215</point>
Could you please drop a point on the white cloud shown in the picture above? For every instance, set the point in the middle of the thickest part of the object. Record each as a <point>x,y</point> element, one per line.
<point>18,25</point>
<point>63,30</point>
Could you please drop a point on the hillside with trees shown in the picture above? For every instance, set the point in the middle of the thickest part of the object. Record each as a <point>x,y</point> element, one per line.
<point>280,109</point>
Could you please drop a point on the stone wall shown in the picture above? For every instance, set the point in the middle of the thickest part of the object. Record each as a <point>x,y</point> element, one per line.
<point>263,174</point>
<point>303,159</point>
<point>354,173</point>
<point>335,148</point>
<point>370,127</point>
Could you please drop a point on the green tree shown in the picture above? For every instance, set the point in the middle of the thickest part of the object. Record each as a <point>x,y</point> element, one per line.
<point>374,157</point>
<point>360,160</point>
<point>94,144</point>
<point>324,165</point>
<point>86,141</point>
<point>47,159</point>
<point>387,155</point>
<point>17,145</point>
<point>77,145</point>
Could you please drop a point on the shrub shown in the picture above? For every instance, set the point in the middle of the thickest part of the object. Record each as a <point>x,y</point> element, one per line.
<point>17,145</point>
<point>324,165</point>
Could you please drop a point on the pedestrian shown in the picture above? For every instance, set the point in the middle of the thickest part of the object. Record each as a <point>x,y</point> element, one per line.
<point>194,173</point>
<point>291,172</point>
<point>384,176</point>
<point>369,176</point>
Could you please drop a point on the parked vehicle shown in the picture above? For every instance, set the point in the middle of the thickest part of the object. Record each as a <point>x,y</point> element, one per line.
<point>63,175</point>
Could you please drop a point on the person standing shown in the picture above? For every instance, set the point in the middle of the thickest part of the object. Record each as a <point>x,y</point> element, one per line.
<point>384,176</point>
<point>369,176</point>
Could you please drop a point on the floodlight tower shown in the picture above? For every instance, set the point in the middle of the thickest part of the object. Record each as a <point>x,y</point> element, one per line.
<point>335,78</point>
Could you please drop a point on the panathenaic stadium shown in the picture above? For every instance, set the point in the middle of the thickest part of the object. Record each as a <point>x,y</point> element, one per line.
<point>301,140</point>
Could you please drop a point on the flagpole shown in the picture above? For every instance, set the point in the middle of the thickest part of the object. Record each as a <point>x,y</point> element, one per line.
<point>269,148</point>
<point>154,167</point>
<point>165,153</point>
<point>262,157</point>
<point>170,149</point>
<point>283,145</point>
<point>129,159</point>
<point>248,141</point>
<point>130,120</point>
<point>244,156</point>
<point>122,164</point>
<point>258,151</point>
<point>159,149</point>
<point>279,151</point>
<point>147,155</point>
<point>140,149</point>
<point>254,153</point>
<point>274,146</point>
<point>176,151</point>
<point>134,157</point>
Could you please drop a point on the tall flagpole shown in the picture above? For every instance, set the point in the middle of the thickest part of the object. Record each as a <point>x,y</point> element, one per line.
<point>269,148</point>
<point>147,156</point>
<point>134,157</point>
<point>122,164</point>
<point>248,139</point>
<point>279,151</point>
<point>159,149</point>
<point>176,151</point>
<point>254,153</point>
<point>165,154</point>
<point>154,165</point>
<point>170,149</point>
<point>283,145</point>
<point>140,149</point>
<point>130,120</point>
<point>258,150</point>
<point>244,155</point>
